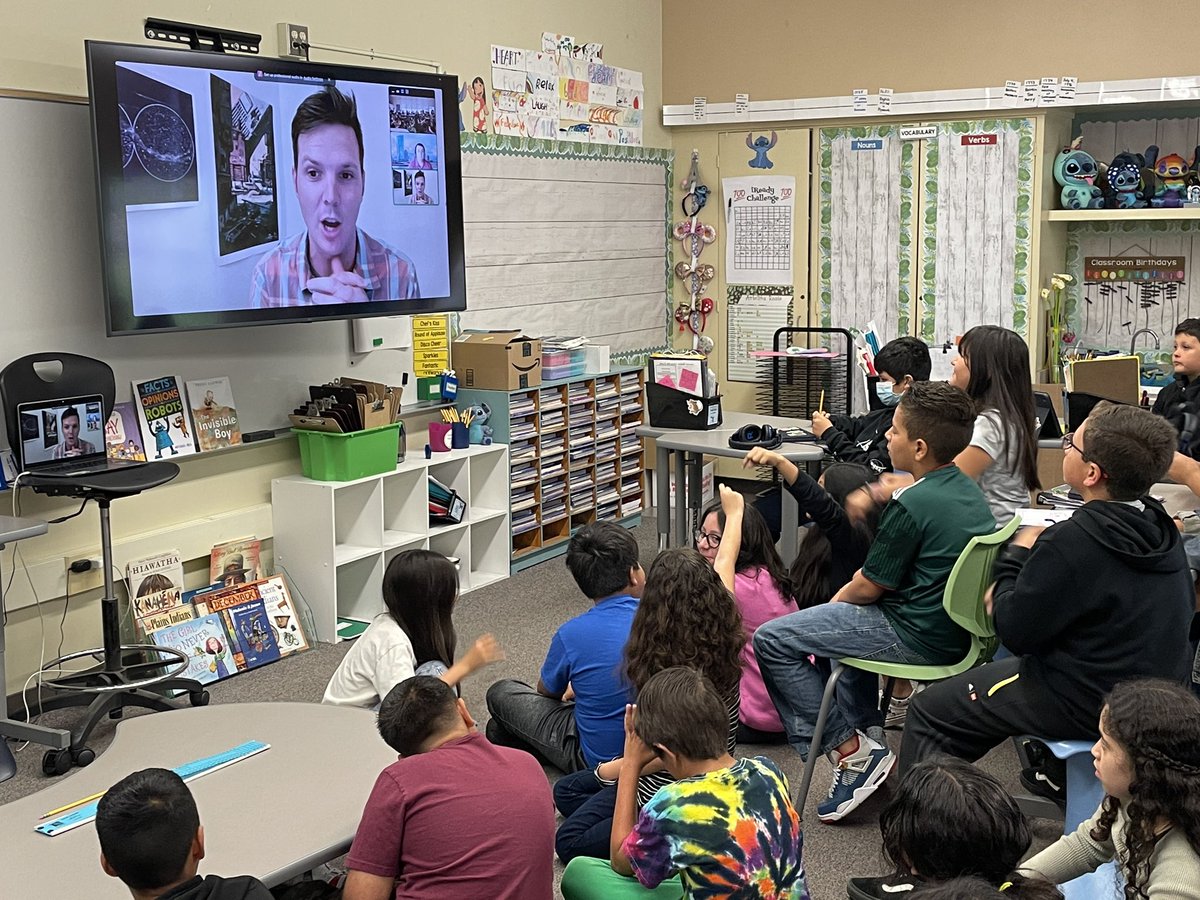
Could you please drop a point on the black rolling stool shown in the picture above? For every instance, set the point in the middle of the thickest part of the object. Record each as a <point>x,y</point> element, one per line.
<point>126,675</point>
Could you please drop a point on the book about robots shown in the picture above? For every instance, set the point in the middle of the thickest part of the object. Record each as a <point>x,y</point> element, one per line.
<point>214,416</point>
<point>122,434</point>
<point>163,418</point>
<point>208,647</point>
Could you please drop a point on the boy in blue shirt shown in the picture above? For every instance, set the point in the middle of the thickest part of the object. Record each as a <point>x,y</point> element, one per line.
<point>573,719</point>
<point>891,610</point>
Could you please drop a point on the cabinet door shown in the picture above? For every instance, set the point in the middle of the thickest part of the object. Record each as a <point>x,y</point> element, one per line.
<point>865,211</point>
<point>978,185</point>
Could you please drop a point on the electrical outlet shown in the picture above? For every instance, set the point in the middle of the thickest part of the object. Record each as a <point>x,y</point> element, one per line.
<point>293,41</point>
<point>84,581</point>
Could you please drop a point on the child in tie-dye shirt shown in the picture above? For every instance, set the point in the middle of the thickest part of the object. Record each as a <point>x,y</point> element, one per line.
<point>726,826</point>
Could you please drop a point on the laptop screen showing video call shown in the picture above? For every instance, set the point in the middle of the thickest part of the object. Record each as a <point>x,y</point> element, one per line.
<point>61,430</point>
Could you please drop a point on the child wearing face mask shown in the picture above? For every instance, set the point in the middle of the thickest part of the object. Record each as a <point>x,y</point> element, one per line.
<point>860,439</point>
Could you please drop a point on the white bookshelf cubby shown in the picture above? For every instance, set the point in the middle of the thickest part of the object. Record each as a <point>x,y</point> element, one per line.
<point>334,539</point>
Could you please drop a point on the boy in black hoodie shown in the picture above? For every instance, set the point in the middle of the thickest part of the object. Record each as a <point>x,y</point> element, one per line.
<point>862,439</point>
<point>151,838</point>
<point>1103,597</point>
<point>1179,401</point>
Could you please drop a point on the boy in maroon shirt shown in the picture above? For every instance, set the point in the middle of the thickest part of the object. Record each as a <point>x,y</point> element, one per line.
<point>455,816</point>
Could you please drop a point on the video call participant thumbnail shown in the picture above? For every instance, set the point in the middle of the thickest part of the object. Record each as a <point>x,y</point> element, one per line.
<point>71,444</point>
<point>332,260</point>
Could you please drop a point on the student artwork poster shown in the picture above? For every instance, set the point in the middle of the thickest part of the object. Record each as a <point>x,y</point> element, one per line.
<point>263,201</point>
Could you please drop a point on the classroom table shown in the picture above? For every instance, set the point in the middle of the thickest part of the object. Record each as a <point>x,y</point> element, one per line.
<point>274,815</point>
<point>689,447</point>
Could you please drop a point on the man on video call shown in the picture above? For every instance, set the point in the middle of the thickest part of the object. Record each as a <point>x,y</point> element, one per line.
<point>71,444</point>
<point>332,260</point>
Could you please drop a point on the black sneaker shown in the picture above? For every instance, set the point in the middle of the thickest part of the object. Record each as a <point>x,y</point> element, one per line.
<point>882,888</point>
<point>1044,782</point>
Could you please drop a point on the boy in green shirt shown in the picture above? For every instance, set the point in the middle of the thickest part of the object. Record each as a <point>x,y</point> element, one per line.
<point>891,610</point>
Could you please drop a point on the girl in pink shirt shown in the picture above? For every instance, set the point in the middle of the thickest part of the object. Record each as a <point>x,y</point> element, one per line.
<point>763,591</point>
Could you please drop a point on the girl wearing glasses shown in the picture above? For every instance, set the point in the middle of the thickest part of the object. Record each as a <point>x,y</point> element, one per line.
<point>762,590</point>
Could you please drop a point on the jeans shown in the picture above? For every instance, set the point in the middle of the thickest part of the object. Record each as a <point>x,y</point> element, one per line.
<point>587,808</point>
<point>524,719</point>
<point>832,630</point>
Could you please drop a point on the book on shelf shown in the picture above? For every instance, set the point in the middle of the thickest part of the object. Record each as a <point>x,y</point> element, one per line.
<point>272,593</point>
<point>163,417</point>
<point>123,435</point>
<point>156,589</point>
<point>235,562</point>
<point>214,416</point>
<point>250,626</point>
<point>206,644</point>
<point>630,507</point>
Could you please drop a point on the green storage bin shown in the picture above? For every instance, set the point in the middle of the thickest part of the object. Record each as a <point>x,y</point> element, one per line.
<point>327,456</point>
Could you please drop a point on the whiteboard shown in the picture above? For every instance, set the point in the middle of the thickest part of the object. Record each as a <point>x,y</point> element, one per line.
<point>53,294</point>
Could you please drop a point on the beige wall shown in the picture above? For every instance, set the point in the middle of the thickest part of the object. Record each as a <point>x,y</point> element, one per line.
<point>41,49</point>
<point>781,49</point>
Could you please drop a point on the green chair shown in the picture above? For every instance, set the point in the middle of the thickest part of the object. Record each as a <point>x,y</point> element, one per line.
<point>963,601</point>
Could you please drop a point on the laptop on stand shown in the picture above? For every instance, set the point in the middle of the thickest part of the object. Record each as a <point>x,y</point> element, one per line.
<point>64,438</point>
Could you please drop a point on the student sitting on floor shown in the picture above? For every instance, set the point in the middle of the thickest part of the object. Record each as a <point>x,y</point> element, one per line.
<point>151,838</point>
<point>1100,598</point>
<point>762,590</point>
<point>1179,401</point>
<point>891,609</point>
<point>863,439</point>
<point>687,617</point>
<point>726,826</point>
<point>455,816</point>
<point>415,635</point>
<point>949,819</point>
<point>573,719</point>
<point>1148,762</point>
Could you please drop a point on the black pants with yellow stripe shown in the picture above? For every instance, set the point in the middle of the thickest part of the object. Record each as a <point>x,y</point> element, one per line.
<point>968,715</point>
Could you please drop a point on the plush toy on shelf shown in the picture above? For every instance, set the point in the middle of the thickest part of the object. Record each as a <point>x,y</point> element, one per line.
<point>479,431</point>
<point>1172,171</point>
<point>1075,170</point>
<point>1125,188</point>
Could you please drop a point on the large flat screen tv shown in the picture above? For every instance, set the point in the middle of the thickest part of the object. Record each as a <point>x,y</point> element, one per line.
<point>248,191</point>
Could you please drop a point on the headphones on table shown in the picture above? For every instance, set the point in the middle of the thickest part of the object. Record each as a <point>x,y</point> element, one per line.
<point>750,436</point>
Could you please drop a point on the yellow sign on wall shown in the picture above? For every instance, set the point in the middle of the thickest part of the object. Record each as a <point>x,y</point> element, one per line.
<point>431,345</point>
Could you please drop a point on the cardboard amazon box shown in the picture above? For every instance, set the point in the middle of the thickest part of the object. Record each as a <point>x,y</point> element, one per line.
<point>497,360</point>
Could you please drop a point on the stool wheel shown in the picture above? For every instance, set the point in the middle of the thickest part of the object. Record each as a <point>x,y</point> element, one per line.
<point>56,762</point>
<point>199,698</point>
<point>84,756</point>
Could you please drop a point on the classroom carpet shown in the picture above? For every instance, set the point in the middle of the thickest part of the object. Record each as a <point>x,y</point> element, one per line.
<point>523,613</point>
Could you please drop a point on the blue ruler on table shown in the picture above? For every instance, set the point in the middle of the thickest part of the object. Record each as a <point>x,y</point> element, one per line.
<point>81,815</point>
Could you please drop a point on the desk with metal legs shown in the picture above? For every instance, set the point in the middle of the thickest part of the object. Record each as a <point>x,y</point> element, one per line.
<point>689,448</point>
<point>11,531</point>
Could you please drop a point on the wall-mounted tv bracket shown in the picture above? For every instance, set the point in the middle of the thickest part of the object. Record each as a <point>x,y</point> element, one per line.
<point>202,37</point>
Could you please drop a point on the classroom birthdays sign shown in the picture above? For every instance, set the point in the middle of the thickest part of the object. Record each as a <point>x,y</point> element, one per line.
<point>1099,269</point>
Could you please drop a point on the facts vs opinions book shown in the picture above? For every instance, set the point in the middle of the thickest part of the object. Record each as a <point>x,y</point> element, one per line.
<point>163,418</point>
<point>214,417</point>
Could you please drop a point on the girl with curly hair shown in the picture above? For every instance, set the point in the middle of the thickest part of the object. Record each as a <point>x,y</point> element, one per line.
<point>686,617</point>
<point>1148,761</point>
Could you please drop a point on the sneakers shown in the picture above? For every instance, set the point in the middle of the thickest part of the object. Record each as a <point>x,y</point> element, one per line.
<point>898,708</point>
<point>882,888</point>
<point>1045,783</point>
<point>856,777</point>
